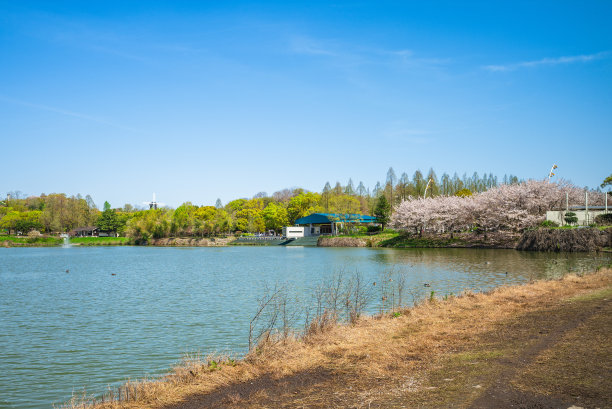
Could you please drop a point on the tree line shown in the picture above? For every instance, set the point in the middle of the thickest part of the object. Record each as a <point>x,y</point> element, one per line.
<point>57,212</point>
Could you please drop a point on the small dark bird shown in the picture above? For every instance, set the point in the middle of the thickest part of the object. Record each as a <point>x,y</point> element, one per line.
<point>113,274</point>
<point>374,283</point>
<point>426,285</point>
<point>506,273</point>
<point>67,271</point>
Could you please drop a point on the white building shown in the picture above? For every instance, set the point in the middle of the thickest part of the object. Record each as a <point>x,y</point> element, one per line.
<point>293,232</point>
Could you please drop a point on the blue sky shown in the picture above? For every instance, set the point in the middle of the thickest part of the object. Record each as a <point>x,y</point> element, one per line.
<point>200,100</point>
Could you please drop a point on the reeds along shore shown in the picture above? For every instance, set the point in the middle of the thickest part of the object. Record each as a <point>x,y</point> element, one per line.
<point>410,354</point>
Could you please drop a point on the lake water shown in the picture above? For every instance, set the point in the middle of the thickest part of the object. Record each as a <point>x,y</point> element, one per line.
<point>124,312</point>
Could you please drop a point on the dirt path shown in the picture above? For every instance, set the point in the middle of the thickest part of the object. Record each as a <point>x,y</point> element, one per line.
<point>553,325</point>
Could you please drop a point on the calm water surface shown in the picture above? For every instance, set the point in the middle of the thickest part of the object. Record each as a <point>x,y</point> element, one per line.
<point>62,331</point>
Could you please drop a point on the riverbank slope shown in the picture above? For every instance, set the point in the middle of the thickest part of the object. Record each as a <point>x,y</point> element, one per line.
<point>544,344</point>
<point>541,239</point>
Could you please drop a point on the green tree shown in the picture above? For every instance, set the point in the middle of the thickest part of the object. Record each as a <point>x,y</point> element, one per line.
<point>303,205</point>
<point>275,217</point>
<point>29,221</point>
<point>344,204</point>
<point>434,187</point>
<point>382,211</point>
<point>325,195</point>
<point>419,183</point>
<point>390,184</point>
<point>10,220</point>
<point>183,219</point>
<point>108,220</point>
<point>607,181</point>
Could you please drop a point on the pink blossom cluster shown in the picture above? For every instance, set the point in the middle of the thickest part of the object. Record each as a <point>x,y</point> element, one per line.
<point>512,207</point>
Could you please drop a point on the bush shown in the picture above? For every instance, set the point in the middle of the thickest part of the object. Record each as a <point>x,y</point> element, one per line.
<point>373,229</point>
<point>604,219</point>
<point>549,223</point>
<point>570,218</point>
<point>361,229</point>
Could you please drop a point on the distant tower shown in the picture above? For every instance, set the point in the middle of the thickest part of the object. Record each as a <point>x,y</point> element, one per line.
<point>153,204</point>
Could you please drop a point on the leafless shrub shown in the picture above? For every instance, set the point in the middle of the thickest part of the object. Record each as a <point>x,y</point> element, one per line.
<point>276,316</point>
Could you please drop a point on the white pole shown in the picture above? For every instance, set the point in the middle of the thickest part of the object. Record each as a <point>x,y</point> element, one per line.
<point>427,187</point>
<point>586,207</point>
<point>566,201</point>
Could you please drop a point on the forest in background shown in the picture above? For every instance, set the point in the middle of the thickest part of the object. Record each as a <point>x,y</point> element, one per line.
<point>57,212</point>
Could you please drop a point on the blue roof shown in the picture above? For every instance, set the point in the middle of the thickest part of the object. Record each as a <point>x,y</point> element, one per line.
<point>322,218</point>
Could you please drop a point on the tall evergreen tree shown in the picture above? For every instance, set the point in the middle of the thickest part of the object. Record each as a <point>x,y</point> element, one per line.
<point>434,186</point>
<point>361,190</point>
<point>108,220</point>
<point>382,211</point>
<point>419,183</point>
<point>349,189</point>
<point>390,183</point>
<point>325,195</point>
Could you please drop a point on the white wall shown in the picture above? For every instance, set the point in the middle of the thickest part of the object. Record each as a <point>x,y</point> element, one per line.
<point>293,232</point>
<point>583,219</point>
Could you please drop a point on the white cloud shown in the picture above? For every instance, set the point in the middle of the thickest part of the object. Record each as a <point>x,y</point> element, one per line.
<point>548,61</point>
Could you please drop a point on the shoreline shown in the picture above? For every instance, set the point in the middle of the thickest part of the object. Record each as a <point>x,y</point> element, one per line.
<point>541,239</point>
<point>478,350</point>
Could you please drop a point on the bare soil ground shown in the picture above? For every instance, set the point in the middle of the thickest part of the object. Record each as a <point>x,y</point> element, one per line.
<point>542,345</point>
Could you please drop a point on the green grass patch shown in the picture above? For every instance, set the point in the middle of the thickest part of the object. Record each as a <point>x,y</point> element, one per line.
<point>593,296</point>
<point>31,241</point>
<point>568,227</point>
<point>100,241</point>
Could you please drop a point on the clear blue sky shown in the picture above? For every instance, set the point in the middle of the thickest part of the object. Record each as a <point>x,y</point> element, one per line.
<point>199,100</point>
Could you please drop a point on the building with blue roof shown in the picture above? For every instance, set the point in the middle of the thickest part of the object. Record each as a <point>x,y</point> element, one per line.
<point>330,223</point>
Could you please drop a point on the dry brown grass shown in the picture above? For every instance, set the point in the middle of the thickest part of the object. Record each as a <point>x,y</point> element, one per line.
<point>431,355</point>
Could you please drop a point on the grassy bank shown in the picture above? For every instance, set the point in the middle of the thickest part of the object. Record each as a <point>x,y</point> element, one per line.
<point>47,241</point>
<point>24,241</point>
<point>100,241</point>
<point>505,240</point>
<point>544,344</point>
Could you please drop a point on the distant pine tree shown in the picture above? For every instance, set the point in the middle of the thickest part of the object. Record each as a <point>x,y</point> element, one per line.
<point>382,211</point>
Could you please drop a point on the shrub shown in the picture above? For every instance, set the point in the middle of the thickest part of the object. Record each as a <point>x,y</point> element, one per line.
<point>464,193</point>
<point>549,223</point>
<point>604,219</point>
<point>373,229</point>
<point>570,218</point>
